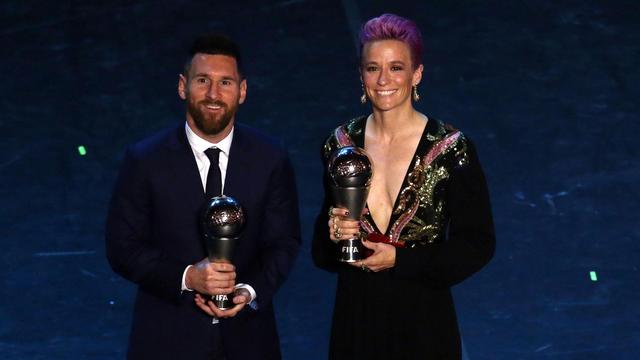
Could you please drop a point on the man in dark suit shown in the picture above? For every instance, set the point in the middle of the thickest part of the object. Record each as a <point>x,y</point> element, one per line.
<point>153,238</point>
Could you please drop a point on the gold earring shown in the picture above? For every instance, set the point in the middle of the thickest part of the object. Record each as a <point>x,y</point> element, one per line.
<point>416,97</point>
<point>363,98</point>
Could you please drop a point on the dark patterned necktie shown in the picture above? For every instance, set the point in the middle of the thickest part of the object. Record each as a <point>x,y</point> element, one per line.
<point>214,177</point>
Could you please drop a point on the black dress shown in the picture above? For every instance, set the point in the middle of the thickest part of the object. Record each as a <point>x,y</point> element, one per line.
<point>442,218</point>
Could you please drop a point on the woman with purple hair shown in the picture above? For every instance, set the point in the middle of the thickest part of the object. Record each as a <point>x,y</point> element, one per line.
<point>427,223</point>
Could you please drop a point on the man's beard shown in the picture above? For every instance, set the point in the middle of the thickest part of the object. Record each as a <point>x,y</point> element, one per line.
<point>211,124</point>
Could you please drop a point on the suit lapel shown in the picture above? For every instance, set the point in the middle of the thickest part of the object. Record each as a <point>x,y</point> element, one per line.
<point>185,168</point>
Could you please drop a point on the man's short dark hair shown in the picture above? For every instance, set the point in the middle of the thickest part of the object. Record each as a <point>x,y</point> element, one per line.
<point>214,44</point>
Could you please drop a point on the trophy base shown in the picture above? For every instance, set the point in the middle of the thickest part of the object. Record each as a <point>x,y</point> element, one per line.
<point>351,250</point>
<point>223,302</point>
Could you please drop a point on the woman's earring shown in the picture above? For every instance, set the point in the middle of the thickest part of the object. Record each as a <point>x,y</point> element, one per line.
<point>363,98</point>
<point>416,97</point>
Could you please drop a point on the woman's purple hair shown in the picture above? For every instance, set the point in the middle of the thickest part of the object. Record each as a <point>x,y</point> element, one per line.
<point>394,27</point>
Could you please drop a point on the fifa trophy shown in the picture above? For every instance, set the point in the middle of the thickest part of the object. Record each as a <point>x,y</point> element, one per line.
<point>350,170</point>
<point>222,222</point>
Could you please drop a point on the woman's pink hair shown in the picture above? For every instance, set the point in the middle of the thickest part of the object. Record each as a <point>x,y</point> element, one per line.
<point>394,27</point>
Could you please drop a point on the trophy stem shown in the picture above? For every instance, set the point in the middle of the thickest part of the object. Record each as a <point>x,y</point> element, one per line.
<point>220,249</point>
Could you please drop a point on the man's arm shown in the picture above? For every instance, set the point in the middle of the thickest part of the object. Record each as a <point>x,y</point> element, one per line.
<point>129,248</point>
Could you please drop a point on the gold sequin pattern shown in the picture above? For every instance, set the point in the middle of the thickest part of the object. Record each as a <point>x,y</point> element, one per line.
<point>423,185</point>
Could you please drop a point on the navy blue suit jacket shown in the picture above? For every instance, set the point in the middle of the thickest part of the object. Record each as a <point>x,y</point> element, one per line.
<point>153,233</point>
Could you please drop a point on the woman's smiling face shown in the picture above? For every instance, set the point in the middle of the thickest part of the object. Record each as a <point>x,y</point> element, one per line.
<point>388,73</point>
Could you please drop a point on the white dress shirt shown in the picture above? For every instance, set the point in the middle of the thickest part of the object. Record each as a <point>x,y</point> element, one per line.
<point>198,146</point>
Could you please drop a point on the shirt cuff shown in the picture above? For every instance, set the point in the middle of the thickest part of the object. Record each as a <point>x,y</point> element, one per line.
<point>184,276</point>
<point>252,303</point>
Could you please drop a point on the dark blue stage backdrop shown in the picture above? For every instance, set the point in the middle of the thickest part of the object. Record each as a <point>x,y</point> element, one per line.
<point>548,91</point>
